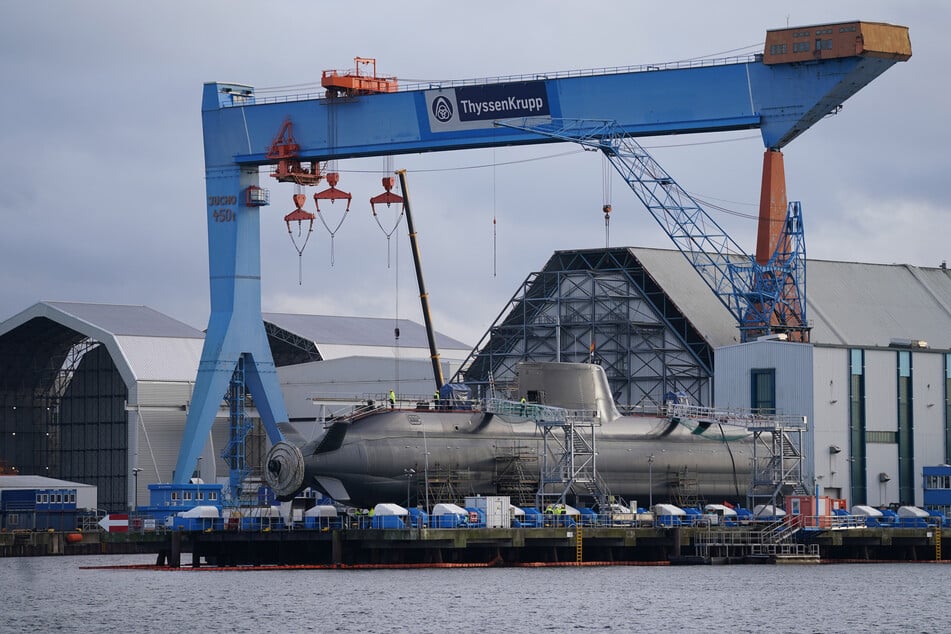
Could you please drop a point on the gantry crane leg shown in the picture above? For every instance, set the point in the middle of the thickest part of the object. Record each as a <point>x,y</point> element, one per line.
<point>235,328</point>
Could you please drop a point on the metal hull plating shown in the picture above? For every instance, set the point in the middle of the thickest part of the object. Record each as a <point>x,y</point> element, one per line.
<point>388,456</point>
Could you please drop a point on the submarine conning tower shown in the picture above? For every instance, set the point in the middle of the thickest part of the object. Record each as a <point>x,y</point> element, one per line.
<point>573,386</point>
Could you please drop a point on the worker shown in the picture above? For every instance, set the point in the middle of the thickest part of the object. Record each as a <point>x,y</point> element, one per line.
<point>436,399</point>
<point>392,399</point>
<point>521,406</point>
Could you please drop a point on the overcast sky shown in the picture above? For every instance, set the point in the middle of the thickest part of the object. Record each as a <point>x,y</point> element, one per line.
<point>103,175</point>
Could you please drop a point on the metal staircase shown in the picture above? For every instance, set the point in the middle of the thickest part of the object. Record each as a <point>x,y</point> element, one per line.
<point>773,540</point>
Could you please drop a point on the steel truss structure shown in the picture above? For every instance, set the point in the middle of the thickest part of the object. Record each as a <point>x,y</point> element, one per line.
<point>600,306</point>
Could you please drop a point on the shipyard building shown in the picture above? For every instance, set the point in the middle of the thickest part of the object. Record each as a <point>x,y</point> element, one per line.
<point>99,393</point>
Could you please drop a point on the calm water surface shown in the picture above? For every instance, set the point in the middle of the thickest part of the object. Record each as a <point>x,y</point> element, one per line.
<point>55,594</point>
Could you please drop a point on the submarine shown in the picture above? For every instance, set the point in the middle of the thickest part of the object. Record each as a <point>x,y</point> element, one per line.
<point>371,455</point>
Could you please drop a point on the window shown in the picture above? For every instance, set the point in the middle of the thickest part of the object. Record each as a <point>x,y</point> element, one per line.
<point>174,495</point>
<point>763,390</point>
<point>212,495</point>
<point>187,495</point>
<point>906,429</point>
<point>800,47</point>
<point>857,437</point>
<point>777,49</point>
<point>13,519</point>
<point>947,408</point>
<point>882,437</point>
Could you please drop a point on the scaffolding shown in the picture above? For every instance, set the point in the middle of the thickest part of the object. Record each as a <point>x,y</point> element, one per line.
<point>516,473</point>
<point>569,460</point>
<point>597,306</point>
<point>777,448</point>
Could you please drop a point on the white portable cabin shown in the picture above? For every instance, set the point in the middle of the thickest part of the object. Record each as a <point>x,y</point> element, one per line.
<point>388,509</point>
<point>494,507</point>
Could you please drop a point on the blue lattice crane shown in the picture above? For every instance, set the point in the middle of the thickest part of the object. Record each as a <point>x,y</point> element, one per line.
<point>764,298</point>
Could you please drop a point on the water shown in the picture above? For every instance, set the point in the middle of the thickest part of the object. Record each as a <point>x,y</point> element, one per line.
<point>50,594</point>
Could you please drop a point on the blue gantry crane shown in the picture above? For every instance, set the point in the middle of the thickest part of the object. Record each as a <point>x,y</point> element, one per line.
<point>803,74</point>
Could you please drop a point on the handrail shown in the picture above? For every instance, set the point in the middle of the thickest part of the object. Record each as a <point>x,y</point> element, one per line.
<point>563,74</point>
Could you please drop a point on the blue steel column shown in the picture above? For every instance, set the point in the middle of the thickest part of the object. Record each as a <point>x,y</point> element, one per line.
<point>235,326</point>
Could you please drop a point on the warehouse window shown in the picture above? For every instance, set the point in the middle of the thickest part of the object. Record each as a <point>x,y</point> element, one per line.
<point>947,408</point>
<point>763,390</point>
<point>857,439</point>
<point>906,432</point>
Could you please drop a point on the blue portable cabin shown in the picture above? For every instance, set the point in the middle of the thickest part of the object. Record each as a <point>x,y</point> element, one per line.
<point>167,501</point>
<point>38,509</point>
<point>936,488</point>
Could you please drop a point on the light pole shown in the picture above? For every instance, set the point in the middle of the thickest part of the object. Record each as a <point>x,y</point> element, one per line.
<point>650,481</point>
<point>409,474</point>
<point>135,486</point>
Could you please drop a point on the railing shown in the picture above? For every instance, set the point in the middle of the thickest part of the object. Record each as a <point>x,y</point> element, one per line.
<point>530,411</point>
<point>412,86</point>
<point>748,419</point>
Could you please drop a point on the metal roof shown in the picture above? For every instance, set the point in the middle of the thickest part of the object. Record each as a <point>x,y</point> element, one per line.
<point>687,290</point>
<point>143,343</point>
<point>847,303</point>
<point>8,482</point>
<point>360,331</point>
<point>855,304</point>
<point>139,321</point>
